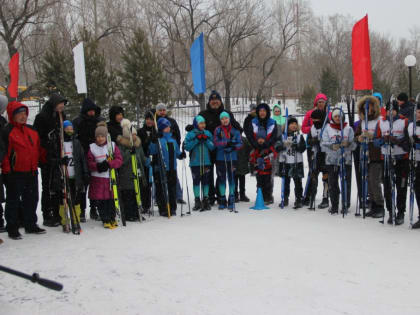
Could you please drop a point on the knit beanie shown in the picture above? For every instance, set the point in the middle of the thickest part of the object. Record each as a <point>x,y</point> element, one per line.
<point>318,114</point>
<point>292,120</point>
<point>67,123</point>
<point>214,95</point>
<point>163,123</point>
<point>161,106</point>
<point>403,97</point>
<point>224,114</point>
<point>101,129</point>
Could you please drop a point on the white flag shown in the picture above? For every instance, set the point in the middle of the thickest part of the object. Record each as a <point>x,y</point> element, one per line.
<point>79,68</point>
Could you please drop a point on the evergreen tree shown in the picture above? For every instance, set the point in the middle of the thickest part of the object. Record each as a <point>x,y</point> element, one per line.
<point>329,85</point>
<point>306,101</point>
<point>143,82</point>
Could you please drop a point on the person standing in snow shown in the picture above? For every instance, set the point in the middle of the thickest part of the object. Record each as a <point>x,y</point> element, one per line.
<point>415,142</point>
<point>331,144</point>
<point>248,130</point>
<point>20,169</point>
<point>116,115</point>
<point>3,123</point>
<point>406,108</point>
<point>212,116</point>
<point>48,125</point>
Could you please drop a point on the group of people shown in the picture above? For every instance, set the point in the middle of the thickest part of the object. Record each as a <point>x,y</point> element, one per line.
<point>78,158</point>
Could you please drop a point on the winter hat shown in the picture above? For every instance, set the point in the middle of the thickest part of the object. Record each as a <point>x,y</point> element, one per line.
<point>163,123</point>
<point>291,120</point>
<point>127,131</point>
<point>224,114</point>
<point>261,133</point>
<point>20,109</point>
<point>88,105</point>
<point>101,129</point>
<point>214,95</point>
<point>403,97</point>
<point>161,106</point>
<point>67,123</point>
<point>197,120</point>
<point>379,97</point>
<point>318,114</point>
<point>114,111</point>
<point>320,96</point>
<point>3,103</point>
<point>252,107</point>
<point>149,115</point>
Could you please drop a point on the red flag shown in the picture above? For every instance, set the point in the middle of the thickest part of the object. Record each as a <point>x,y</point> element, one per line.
<point>14,76</point>
<point>360,56</point>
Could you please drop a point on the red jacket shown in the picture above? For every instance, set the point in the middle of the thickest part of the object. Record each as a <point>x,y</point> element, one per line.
<point>269,155</point>
<point>22,143</point>
<point>307,121</point>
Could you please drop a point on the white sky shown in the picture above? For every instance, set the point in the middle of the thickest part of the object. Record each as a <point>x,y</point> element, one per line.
<point>390,17</point>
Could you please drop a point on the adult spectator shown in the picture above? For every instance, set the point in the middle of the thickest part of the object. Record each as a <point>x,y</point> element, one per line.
<point>116,114</point>
<point>3,123</point>
<point>249,134</point>
<point>406,107</point>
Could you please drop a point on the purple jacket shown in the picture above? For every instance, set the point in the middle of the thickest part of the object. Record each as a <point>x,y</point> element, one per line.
<point>99,187</point>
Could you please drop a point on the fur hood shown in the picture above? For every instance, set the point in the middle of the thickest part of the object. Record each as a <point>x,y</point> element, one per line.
<point>361,106</point>
<point>127,131</point>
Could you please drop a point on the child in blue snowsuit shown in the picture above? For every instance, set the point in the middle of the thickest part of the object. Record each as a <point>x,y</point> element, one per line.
<point>227,141</point>
<point>170,152</point>
<point>199,142</point>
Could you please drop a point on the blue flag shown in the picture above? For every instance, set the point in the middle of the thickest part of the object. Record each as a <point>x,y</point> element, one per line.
<point>197,65</point>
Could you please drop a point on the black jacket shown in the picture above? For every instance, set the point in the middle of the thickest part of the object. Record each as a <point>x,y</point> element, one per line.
<point>81,170</point>
<point>114,127</point>
<point>47,124</point>
<point>176,133</point>
<point>212,118</point>
<point>248,130</point>
<point>406,110</point>
<point>144,134</point>
<point>85,125</point>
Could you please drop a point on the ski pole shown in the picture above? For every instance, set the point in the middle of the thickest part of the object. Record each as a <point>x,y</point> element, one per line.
<point>35,278</point>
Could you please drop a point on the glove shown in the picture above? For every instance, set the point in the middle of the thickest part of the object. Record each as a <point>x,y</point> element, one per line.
<point>344,144</point>
<point>65,160</point>
<point>102,166</point>
<point>336,146</point>
<point>182,156</point>
<point>133,150</point>
<point>394,140</point>
<point>202,137</point>
<point>260,163</point>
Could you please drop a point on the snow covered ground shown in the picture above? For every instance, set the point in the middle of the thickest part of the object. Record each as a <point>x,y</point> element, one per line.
<point>254,262</point>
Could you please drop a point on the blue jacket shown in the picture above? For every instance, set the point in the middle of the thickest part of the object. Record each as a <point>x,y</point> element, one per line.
<point>224,135</point>
<point>164,140</point>
<point>197,148</point>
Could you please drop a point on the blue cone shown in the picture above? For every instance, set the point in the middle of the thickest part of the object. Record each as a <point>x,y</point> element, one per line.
<point>259,203</point>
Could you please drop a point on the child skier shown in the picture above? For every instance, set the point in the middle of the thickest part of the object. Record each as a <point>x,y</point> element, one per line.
<point>394,145</point>
<point>292,148</point>
<point>242,168</point>
<point>199,142</point>
<point>317,158</point>
<point>337,135</point>
<point>375,166</point>
<point>415,139</point>
<point>227,141</point>
<point>78,172</point>
<point>262,159</point>
<point>99,164</point>
<point>170,152</point>
<point>129,144</point>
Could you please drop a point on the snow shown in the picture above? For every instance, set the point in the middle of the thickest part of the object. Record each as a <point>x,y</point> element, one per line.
<point>255,262</point>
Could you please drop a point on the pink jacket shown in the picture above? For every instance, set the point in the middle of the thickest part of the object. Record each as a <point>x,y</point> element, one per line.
<point>99,187</point>
<point>307,121</point>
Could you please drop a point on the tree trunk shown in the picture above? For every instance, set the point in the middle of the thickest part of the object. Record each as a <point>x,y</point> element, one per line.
<point>202,101</point>
<point>227,95</point>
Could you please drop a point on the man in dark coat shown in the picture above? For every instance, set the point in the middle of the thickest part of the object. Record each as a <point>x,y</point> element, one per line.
<point>249,133</point>
<point>48,125</point>
<point>116,114</point>
<point>406,108</point>
<point>212,116</point>
<point>84,128</point>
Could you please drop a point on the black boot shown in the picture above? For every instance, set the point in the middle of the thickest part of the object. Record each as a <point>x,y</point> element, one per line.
<point>197,204</point>
<point>306,201</point>
<point>400,218</point>
<point>298,203</point>
<point>15,235</point>
<point>389,218</point>
<point>243,197</point>
<point>51,221</point>
<point>205,205</point>
<point>324,204</point>
<point>94,214</point>
<point>416,225</point>
<point>333,210</point>
<point>35,230</point>
<point>378,212</point>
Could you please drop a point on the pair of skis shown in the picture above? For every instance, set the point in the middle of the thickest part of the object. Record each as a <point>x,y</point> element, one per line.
<point>136,178</point>
<point>71,218</point>
<point>364,162</point>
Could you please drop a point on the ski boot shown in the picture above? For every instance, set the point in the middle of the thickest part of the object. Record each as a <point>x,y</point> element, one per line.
<point>205,205</point>
<point>268,200</point>
<point>244,198</point>
<point>197,204</point>
<point>298,204</point>
<point>51,221</point>
<point>333,210</point>
<point>416,225</point>
<point>400,218</point>
<point>222,203</point>
<point>108,225</point>
<point>231,203</point>
<point>66,229</point>
<point>15,235</point>
<point>324,204</point>
<point>389,218</point>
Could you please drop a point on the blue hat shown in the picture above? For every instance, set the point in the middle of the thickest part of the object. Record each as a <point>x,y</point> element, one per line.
<point>379,97</point>
<point>67,123</point>
<point>224,114</point>
<point>197,120</point>
<point>163,123</point>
